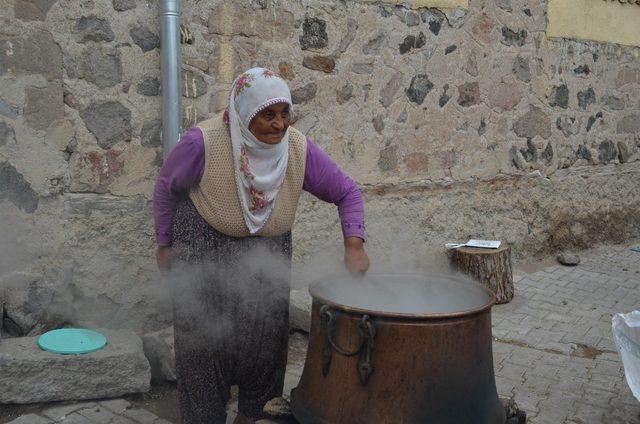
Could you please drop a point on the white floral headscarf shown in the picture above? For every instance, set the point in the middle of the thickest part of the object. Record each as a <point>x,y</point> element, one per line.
<point>259,167</point>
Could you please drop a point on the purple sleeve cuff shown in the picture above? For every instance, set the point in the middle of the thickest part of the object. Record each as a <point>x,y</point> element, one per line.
<point>353,230</point>
<point>325,180</point>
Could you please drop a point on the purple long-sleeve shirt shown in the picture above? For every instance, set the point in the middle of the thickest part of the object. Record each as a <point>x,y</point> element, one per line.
<point>184,167</point>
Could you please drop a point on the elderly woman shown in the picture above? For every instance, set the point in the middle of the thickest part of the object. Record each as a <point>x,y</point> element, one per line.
<point>224,203</point>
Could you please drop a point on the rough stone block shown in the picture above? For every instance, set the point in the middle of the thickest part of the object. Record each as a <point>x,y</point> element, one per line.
<point>343,94</point>
<point>149,86</point>
<point>324,64</point>
<point>314,34</point>
<point>29,374</point>
<point>534,122</point>
<point>109,122</point>
<point>44,106</point>
<point>626,76</point>
<point>37,53</point>
<point>7,134</point>
<point>300,310</point>
<point>586,98</point>
<point>33,10</point>
<point>559,96</point>
<point>362,68</point>
<point>158,347</point>
<point>630,124</point>
<point>513,38</point>
<point>122,5</point>
<point>16,189</point>
<point>521,69</point>
<point>419,88</point>
<point>374,45</point>
<point>144,38</point>
<point>388,160</point>
<point>304,94</point>
<point>285,70</point>
<point>411,42</point>
<point>99,66</point>
<point>151,133</point>
<point>388,92</point>
<point>504,96</point>
<point>347,39</point>
<point>469,94</point>
<point>92,28</point>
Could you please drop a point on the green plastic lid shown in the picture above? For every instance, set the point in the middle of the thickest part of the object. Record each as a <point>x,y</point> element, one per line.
<point>68,341</point>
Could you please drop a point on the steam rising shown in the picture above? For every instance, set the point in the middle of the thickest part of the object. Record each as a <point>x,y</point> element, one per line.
<point>58,298</point>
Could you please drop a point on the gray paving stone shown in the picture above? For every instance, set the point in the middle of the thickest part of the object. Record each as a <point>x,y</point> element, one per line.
<point>97,414</point>
<point>596,397</point>
<point>30,419</point>
<point>556,347</point>
<point>524,357</point>
<point>585,413</point>
<point>505,387</point>
<point>601,382</point>
<point>75,418</point>
<point>569,384</point>
<point>119,419</point>
<point>512,372</point>
<point>117,406</point>
<point>608,368</point>
<point>551,412</point>
<point>141,416</point>
<point>527,401</point>
<point>537,385</point>
<point>60,412</point>
<point>543,371</point>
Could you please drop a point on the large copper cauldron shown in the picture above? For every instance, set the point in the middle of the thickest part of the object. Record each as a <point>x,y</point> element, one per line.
<point>399,349</point>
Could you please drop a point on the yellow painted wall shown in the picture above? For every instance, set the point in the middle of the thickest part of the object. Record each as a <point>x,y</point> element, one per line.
<point>596,20</point>
<point>415,4</point>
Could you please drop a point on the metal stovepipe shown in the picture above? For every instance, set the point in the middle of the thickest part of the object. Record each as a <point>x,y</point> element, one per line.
<point>170,64</point>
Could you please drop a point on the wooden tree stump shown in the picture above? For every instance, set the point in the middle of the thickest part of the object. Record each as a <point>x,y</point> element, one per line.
<point>492,267</point>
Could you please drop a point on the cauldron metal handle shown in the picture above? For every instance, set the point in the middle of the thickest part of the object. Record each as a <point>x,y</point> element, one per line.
<point>367,333</point>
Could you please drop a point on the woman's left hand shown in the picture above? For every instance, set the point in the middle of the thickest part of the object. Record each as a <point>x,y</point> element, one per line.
<point>355,257</point>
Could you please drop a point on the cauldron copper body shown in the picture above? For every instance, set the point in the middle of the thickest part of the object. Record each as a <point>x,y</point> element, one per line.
<point>386,366</point>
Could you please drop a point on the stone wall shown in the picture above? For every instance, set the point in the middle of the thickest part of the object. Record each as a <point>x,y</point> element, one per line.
<point>457,123</point>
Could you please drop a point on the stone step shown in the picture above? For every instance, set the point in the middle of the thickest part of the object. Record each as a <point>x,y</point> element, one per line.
<point>29,374</point>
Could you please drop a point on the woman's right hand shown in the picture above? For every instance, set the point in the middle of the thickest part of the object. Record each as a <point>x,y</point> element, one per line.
<point>163,257</point>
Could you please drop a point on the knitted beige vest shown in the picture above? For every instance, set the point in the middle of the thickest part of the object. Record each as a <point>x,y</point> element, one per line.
<point>216,197</point>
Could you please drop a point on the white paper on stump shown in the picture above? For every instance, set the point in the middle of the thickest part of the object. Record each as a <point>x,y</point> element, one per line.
<point>485,244</point>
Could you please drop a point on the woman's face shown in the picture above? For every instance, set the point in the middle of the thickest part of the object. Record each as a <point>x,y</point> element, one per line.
<point>271,123</point>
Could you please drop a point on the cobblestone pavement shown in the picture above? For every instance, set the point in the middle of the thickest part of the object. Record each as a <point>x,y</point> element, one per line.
<point>115,411</point>
<point>553,349</point>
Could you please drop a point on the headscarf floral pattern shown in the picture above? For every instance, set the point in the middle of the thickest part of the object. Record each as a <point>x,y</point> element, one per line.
<point>259,167</point>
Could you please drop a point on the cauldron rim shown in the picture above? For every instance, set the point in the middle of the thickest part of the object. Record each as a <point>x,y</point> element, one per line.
<point>313,291</point>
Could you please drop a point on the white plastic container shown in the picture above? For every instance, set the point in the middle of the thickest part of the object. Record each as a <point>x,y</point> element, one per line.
<point>626,334</point>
